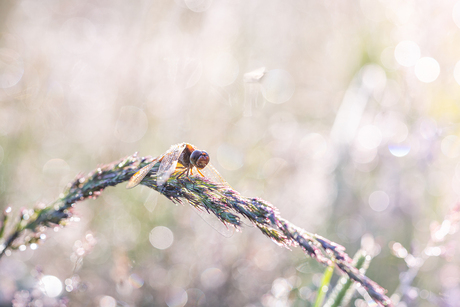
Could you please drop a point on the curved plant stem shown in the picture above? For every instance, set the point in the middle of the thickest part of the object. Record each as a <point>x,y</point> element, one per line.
<point>228,205</point>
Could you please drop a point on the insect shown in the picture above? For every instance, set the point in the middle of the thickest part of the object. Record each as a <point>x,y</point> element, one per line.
<point>189,158</point>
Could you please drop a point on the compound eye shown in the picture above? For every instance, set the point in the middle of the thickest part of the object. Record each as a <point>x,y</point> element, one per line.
<point>199,159</point>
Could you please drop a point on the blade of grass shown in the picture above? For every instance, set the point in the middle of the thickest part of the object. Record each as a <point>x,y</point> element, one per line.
<point>344,289</point>
<point>324,284</point>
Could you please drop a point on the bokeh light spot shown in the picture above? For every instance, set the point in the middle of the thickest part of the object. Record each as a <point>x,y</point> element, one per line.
<point>350,229</point>
<point>161,237</point>
<point>427,69</point>
<point>212,278</point>
<point>388,59</point>
<point>379,201</point>
<point>2,154</point>
<point>77,35</point>
<point>313,145</point>
<point>281,287</point>
<point>229,157</point>
<point>50,285</point>
<point>272,166</point>
<point>373,10</point>
<point>399,150</point>
<point>407,53</point>
<point>131,125</point>
<point>456,14</point>
<point>196,297</point>
<point>428,128</point>
<point>369,136</point>
<point>283,125</point>
<point>198,5</point>
<point>11,67</point>
<point>450,146</point>
<point>457,72</point>
<point>222,69</point>
<point>107,301</point>
<point>277,86</point>
<point>136,281</point>
<point>56,167</point>
<point>185,73</point>
<point>374,77</point>
<point>363,155</point>
<point>177,297</point>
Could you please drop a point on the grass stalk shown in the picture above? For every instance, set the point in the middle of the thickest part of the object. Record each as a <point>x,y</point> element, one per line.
<point>228,205</point>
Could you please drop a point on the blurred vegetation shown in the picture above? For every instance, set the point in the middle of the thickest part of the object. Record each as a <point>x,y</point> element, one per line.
<point>351,131</point>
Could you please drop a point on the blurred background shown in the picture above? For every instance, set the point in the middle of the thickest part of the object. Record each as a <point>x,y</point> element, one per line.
<point>343,114</point>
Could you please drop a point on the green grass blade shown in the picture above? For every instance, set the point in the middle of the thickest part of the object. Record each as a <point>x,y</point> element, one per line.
<point>324,285</point>
<point>344,289</point>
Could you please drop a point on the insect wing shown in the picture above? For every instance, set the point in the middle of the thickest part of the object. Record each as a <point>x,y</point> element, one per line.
<point>213,175</point>
<point>225,230</point>
<point>139,175</point>
<point>168,163</point>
